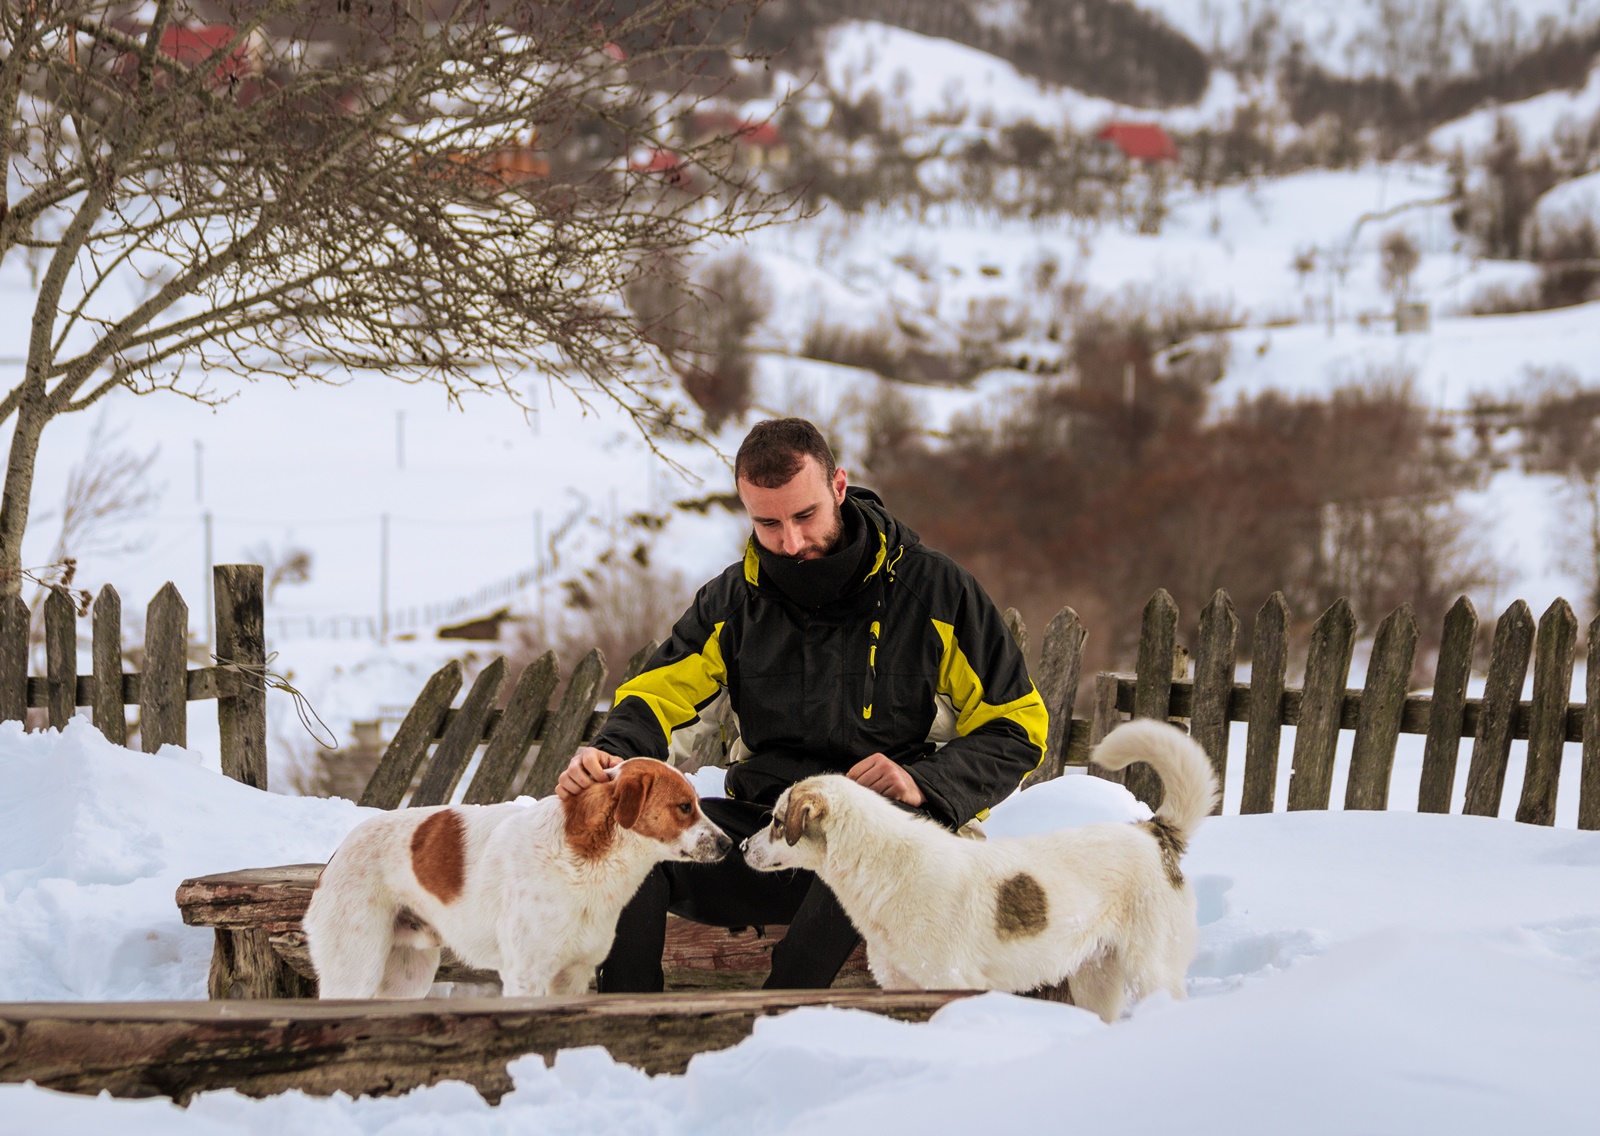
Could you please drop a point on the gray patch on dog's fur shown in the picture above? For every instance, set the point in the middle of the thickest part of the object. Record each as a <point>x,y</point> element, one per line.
<point>1022,909</point>
<point>1170,841</point>
<point>411,929</point>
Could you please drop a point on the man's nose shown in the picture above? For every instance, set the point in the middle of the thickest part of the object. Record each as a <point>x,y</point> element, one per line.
<point>793,539</point>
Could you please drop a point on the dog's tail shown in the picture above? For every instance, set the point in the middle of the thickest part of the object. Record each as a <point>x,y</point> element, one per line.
<point>1189,787</point>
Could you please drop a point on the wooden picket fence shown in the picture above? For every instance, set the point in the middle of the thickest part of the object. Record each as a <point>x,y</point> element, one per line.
<point>166,685</point>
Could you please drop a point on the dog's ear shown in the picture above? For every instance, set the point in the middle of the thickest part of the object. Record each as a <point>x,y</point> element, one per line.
<point>632,786</point>
<point>805,810</point>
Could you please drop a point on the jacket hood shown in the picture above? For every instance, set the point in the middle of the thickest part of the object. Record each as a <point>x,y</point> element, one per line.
<point>888,539</point>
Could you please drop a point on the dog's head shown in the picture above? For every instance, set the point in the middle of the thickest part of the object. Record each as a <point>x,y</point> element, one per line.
<point>650,799</point>
<point>797,836</point>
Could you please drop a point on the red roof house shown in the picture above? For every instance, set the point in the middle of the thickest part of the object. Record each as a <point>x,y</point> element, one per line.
<point>1140,141</point>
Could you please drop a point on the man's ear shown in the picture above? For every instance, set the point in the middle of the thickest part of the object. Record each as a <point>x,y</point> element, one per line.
<point>803,817</point>
<point>840,480</point>
<point>632,788</point>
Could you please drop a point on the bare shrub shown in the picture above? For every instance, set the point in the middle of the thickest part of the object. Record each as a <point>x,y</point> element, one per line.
<point>1398,260</point>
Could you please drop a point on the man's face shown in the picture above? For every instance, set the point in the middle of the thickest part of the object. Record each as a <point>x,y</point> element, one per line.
<point>800,519</point>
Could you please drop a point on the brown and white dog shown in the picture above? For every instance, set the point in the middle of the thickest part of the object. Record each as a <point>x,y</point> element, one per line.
<point>533,892</point>
<point>1104,905</point>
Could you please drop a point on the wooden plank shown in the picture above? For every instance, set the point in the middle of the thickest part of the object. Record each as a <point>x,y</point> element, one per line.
<point>105,696</point>
<point>1104,721</point>
<point>1153,695</point>
<point>1589,777</point>
<point>1382,701</point>
<point>1552,687</point>
<point>566,727</point>
<point>163,688</point>
<point>1491,747</point>
<point>61,656</point>
<point>508,747</point>
<point>387,786</point>
<point>1446,722</point>
<point>14,620</point>
<point>1019,630</point>
<point>1216,656</point>
<point>460,742</point>
<point>1269,663</point>
<point>178,1049</point>
<point>239,606</point>
<point>271,898</point>
<point>1060,667</point>
<point>1317,736</point>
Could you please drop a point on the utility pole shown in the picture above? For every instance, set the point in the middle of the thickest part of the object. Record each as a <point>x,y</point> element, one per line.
<point>199,471</point>
<point>211,612</point>
<point>400,440</point>
<point>383,579</point>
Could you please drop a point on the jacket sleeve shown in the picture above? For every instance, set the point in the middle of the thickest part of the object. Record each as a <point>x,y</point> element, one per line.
<point>684,675</point>
<point>1001,720</point>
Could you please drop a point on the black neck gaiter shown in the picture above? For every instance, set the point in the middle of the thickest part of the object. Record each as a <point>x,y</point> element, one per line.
<point>815,583</point>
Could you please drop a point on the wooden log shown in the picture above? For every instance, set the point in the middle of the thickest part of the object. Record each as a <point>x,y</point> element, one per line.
<point>513,735</point>
<point>1060,667</point>
<point>245,966</point>
<point>239,608</point>
<point>1491,747</point>
<point>1589,778</point>
<point>61,655</point>
<point>1216,657</point>
<point>163,687</point>
<point>1317,736</point>
<point>273,899</point>
<point>387,786</point>
<point>562,738</point>
<point>1552,687</point>
<point>1447,719</point>
<point>1104,721</point>
<point>1268,666</point>
<point>1153,696</point>
<point>1019,630</point>
<point>178,1049</point>
<point>13,659</point>
<point>1382,701</point>
<point>106,698</point>
<point>460,742</point>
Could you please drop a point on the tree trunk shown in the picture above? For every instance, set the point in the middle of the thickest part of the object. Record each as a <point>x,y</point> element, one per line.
<point>18,492</point>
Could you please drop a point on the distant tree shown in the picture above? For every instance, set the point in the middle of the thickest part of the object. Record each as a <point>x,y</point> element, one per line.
<point>297,188</point>
<point>1398,258</point>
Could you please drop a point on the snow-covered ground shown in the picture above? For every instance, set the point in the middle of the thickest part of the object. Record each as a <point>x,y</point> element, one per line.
<point>1357,972</point>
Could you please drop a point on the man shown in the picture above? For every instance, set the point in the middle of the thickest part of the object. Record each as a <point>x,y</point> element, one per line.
<point>838,638</point>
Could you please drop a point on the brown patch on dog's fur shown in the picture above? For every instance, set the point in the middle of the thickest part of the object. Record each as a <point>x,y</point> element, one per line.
<point>1170,841</point>
<point>589,820</point>
<point>1022,910</point>
<point>439,854</point>
<point>663,793</point>
<point>805,810</point>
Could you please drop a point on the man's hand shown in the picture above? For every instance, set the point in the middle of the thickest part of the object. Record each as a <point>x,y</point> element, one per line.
<point>589,766</point>
<point>883,776</point>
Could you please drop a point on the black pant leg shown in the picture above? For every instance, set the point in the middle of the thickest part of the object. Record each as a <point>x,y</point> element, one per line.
<point>634,964</point>
<point>819,940</point>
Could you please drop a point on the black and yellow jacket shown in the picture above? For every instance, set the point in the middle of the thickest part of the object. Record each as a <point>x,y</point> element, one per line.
<point>818,689</point>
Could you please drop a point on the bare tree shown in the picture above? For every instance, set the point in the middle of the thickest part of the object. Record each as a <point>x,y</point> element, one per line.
<point>444,190</point>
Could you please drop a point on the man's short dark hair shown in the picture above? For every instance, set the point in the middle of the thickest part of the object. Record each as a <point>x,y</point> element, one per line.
<point>774,450</point>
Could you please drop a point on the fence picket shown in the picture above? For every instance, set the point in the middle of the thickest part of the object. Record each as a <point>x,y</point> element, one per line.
<point>13,659</point>
<point>1105,720</point>
<point>1317,735</point>
<point>163,685</point>
<point>1547,720</point>
<point>387,786</point>
<point>61,656</point>
<point>566,727</point>
<point>513,736</point>
<point>1491,749</point>
<point>637,661</point>
<point>1216,656</point>
<point>461,738</point>
<point>1060,667</point>
<point>241,648</point>
<point>106,652</point>
<point>1268,665</point>
<point>1589,778</point>
<point>1383,698</point>
<point>1153,696</point>
<point>1018,629</point>
<point>1448,709</point>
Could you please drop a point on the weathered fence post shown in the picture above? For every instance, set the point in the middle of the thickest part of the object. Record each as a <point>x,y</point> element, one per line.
<point>387,786</point>
<point>241,647</point>
<point>497,772</point>
<point>164,685</point>
<point>461,738</point>
<point>1321,706</point>
<point>565,731</point>
<point>1491,749</point>
<point>13,659</point>
<point>106,651</point>
<point>1589,778</point>
<point>1216,656</point>
<point>1547,720</point>
<point>1152,697</point>
<point>61,656</point>
<point>1060,667</point>
<point>1383,700</point>
<point>1268,665</point>
<point>1448,710</point>
<point>1103,722</point>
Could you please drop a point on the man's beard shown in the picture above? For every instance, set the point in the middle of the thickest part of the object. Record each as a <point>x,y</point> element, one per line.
<point>830,543</point>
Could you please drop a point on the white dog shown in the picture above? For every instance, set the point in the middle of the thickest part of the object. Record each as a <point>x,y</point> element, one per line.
<point>533,892</point>
<point>1105,905</point>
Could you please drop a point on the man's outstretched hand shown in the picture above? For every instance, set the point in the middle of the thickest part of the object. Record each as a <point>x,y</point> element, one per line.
<point>589,766</point>
<point>883,776</point>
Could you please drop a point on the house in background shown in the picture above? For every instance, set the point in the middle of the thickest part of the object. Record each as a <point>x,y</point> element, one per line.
<point>755,142</point>
<point>1146,142</point>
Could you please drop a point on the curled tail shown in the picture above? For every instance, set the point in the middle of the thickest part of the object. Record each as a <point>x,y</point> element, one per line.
<point>1189,787</point>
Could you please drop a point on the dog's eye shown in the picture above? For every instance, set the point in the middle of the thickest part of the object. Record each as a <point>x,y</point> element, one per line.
<point>686,808</point>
